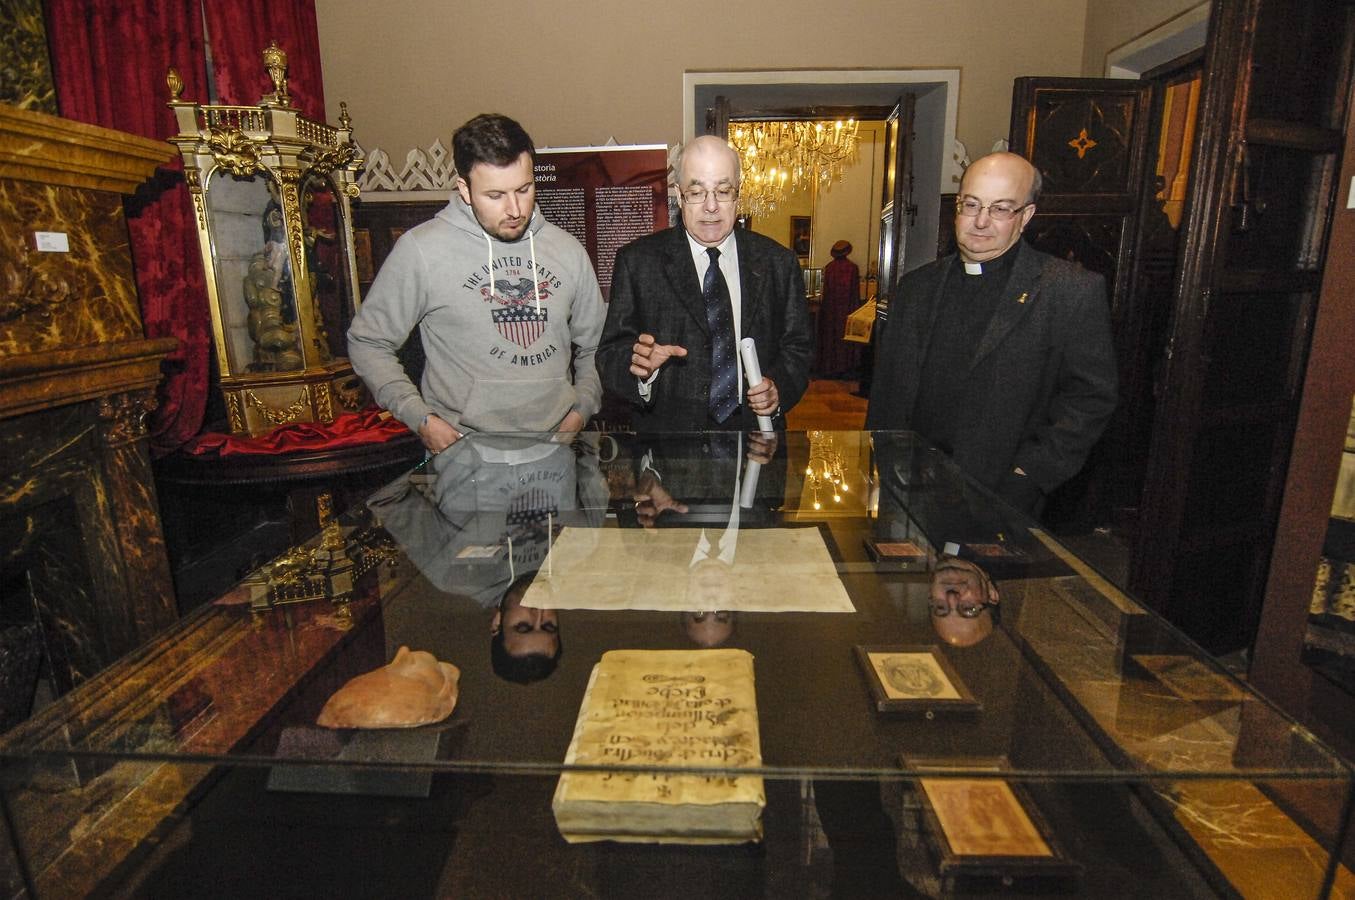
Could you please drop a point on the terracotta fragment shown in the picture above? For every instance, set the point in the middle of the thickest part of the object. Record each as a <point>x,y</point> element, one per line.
<point>412,689</point>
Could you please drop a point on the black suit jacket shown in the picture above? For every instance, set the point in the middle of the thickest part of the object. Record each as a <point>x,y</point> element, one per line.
<point>1041,385</point>
<point>655,291</point>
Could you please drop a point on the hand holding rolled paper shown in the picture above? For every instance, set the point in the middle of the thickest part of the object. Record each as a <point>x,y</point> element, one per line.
<point>761,448</point>
<point>762,395</point>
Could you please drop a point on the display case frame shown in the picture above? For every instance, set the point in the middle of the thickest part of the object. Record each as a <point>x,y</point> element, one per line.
<point>140,777</point>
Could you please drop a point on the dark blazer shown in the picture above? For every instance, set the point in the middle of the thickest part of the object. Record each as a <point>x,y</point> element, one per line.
<point>1041,385</point>
<point>655,291</point>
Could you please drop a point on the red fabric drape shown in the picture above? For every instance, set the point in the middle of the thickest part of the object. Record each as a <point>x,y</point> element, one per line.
<point>240,29</point>
<point>370,426</point>
<point>109,59</point>
<point>109,63</point>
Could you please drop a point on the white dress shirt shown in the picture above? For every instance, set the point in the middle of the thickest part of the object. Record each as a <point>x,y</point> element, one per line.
<point>729,267</point>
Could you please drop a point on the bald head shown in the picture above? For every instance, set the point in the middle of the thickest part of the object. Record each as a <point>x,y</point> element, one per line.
<point>1005,180</point>
<point>704,150</point>
<point>706,164</point>
<point>1007,165</point>
<point>961,632</point>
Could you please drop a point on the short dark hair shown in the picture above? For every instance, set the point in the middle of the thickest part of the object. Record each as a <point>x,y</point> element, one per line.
<point>530,666</point>
<point>522,669</point>
<point>489,138</point>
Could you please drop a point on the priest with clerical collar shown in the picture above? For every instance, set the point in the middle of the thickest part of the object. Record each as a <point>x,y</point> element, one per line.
<point>999,354</point>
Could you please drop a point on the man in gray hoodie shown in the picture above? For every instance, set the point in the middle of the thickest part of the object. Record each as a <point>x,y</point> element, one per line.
<point>507,306</point>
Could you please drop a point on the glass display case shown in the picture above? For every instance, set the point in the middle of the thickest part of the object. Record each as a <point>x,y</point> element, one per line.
<point>272,191</point>
<point>1055,739</point>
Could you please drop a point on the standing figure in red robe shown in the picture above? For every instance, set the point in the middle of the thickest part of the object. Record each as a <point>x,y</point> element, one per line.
<point>834,357</point>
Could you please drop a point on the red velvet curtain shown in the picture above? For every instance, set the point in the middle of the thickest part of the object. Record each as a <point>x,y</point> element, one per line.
<point>109,63</point>
<point>109,59</point>
<point>241,29</point>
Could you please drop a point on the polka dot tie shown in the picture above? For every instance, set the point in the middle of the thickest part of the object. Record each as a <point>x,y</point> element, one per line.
<point>724,366</point>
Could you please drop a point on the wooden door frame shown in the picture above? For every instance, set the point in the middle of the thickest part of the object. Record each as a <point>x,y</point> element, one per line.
<point>1137,321</point>
<point>1329,384</point>
<point>1162,571</point>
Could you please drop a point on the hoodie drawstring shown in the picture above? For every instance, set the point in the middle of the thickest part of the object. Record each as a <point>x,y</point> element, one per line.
<point>536,282</point>
<point>531,251</point>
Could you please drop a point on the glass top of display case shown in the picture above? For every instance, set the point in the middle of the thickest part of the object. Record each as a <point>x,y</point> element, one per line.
<point>813,558</point>
<point>818,622</point>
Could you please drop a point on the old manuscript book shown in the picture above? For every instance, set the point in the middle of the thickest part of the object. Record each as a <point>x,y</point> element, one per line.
<point>665,709</point>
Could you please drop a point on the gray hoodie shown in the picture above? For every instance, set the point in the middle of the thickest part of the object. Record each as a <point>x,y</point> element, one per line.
<point>498,346</point>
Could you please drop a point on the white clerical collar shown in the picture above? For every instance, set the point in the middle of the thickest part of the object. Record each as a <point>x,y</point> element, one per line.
<point>973,268</point>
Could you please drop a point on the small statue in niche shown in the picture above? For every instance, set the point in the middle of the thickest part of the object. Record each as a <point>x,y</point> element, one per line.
<point>274,336</point>
<point>275,252</point>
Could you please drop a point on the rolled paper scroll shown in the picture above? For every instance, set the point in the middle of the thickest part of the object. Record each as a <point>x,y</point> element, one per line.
<point>752,371</point>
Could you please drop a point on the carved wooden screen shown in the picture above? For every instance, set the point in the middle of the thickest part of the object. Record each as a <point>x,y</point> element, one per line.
<point>1088,138</point>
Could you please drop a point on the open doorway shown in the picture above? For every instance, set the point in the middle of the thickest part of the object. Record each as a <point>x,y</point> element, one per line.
<point>853,211</point>
<point>935,165</point>
<point>829,217</point>
<point>1146,325</point>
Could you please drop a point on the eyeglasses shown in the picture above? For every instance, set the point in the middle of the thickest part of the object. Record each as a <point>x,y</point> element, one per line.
<point>697,196</point>
<point>1000,212</point>
<point>963,608</point>
<point>967,611</point>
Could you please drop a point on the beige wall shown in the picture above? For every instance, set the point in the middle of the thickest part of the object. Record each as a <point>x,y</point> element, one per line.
<point>1111,23</point>
<point>577,72</point>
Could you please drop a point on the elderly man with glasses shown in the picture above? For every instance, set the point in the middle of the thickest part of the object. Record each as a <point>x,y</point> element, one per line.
<point>681,301</point>
<point>1000,355</point>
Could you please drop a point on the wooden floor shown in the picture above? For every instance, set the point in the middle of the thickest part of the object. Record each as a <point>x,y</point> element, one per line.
<point>828,405</point>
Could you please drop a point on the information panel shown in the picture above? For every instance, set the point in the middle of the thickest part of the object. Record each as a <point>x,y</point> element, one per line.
<point>604,196</point>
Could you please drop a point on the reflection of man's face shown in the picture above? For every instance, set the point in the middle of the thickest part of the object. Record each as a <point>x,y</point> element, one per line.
<point>708,629</point>
<point>961,599</point>
<point>1000,178</point>
<point>502,197</point>
<point>527,630</point>
<point>708,164</point>
<point>710,585</point>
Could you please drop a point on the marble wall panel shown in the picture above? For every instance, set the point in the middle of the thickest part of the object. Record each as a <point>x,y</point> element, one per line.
<point>55,544</point>
<point>79,529</point>
<point>135,506</point>
<point>26,76</point>
<point>52,300</point>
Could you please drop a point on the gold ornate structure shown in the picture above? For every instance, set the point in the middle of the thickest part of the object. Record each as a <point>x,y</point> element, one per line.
<point>272,191</point>
<point>327,570</point>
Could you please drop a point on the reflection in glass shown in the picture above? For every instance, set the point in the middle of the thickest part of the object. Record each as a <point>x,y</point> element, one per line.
<point>254,274</point>
<point>325,264</point>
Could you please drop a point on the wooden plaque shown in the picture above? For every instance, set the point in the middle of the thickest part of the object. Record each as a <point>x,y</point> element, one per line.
<point>917,680</point>
<point>906,554</point>
<point>986,833</point>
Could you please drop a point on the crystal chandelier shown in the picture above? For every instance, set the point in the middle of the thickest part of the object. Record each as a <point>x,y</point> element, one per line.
<point>779,158</point>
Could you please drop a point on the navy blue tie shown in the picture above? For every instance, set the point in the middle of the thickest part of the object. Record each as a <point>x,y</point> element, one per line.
<point>724,366</point>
